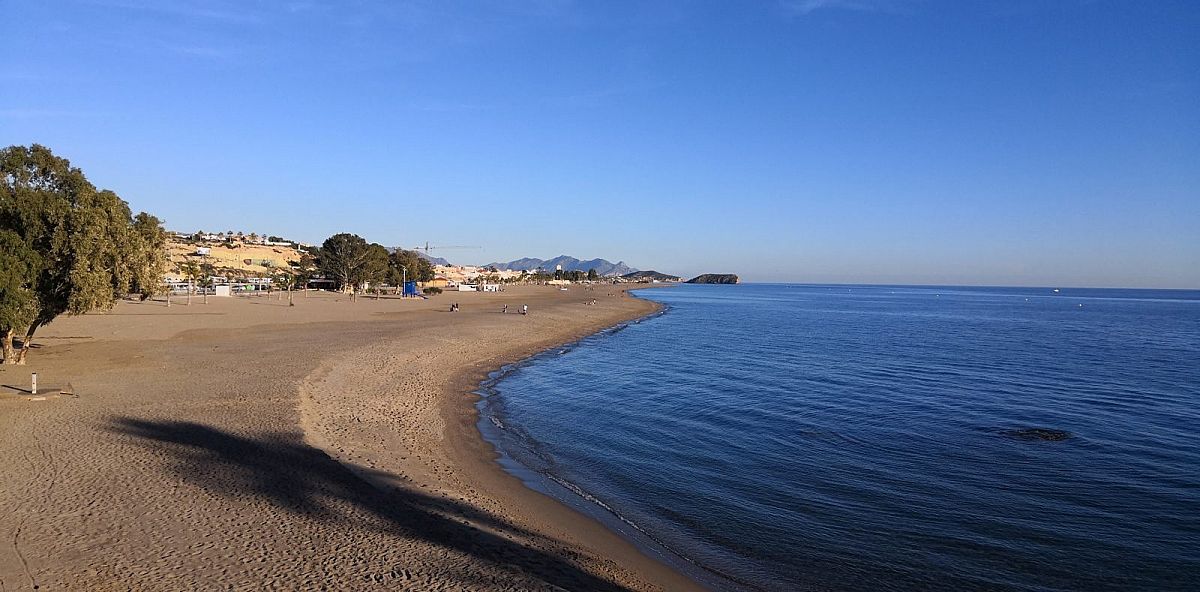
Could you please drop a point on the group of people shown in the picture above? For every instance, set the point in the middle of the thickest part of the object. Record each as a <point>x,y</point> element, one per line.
<point>523,310</point>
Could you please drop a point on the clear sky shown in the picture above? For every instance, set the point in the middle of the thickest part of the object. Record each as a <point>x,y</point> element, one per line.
<point>907,141</point>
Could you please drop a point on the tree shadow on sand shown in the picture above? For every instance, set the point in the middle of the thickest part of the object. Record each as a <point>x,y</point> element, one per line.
<point>304,480</point>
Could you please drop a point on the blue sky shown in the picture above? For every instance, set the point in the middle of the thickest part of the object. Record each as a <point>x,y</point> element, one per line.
<point>904,141</point>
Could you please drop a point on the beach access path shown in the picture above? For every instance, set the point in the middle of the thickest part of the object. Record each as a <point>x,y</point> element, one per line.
<point>246,444</point>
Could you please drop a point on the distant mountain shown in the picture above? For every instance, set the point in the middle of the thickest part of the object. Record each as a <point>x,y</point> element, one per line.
<point>431,258</point>
<point>649,276</point>
<point>602,266</point>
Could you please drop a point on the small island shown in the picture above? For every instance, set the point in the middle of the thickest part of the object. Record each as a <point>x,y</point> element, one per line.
<point>714,278</point>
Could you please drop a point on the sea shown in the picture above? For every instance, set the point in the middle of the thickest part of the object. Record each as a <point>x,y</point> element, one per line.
<point>826,437</point>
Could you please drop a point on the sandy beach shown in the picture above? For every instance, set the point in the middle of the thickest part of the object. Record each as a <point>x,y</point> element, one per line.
<point>246,444</point>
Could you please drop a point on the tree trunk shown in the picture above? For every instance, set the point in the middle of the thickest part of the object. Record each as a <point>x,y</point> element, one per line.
<point>10,355</point>
<point>191,289</point>
<point>26,342</point>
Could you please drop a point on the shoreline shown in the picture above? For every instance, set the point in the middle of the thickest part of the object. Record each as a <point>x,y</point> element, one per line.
<point>570,494</point>
<point>467,451</point>
<point>328,445</point>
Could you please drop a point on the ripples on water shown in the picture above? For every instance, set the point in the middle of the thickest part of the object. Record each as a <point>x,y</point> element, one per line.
<point>844,438</point>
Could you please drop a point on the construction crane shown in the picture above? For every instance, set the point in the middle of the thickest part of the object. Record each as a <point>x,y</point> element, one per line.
<point>428,248</point>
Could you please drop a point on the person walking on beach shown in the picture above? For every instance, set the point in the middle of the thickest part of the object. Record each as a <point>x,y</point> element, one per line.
<point>524,309</point>
<point>504,310</point>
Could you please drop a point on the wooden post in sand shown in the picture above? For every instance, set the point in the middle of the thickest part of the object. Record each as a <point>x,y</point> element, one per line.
<point>33,385</point>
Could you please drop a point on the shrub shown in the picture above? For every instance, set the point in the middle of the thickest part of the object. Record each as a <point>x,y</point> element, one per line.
<point>432,290</point>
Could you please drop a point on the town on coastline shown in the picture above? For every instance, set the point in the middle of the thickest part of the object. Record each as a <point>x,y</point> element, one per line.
<point>228,263</point>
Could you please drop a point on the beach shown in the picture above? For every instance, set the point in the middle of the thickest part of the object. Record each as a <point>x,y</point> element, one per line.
<point>246,444</point>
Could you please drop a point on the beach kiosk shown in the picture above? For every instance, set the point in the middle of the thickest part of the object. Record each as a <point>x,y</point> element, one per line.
<point>410,288</point>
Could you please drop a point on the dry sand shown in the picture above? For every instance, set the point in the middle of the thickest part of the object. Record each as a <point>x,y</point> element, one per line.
<point>245,444</point>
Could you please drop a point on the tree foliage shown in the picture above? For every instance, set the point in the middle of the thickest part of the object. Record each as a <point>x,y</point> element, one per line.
<point>82,248</point>
<point>376,269</point>
<point>408,265</point>
<point>341,258</point>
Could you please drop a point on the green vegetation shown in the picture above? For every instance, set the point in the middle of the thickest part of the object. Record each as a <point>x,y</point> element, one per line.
<point>350,261</point>
<point>408,265</point>
<point>432,290</point>
<point>65,246</point>
<point>574,275</point>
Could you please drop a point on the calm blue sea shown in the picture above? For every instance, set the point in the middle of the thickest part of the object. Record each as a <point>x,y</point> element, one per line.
<point>798,437</point>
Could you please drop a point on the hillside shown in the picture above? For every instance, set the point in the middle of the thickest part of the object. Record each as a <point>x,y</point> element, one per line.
<point>649,276</point>
<point>231,257</point>
<point>715,278</point>
<point>430,258</point>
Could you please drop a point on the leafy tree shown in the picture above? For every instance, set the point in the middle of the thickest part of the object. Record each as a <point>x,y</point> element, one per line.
<point>304,270</point>
<point>253,237</point>
<point>82,248</point>
<point>408,265</point>
<point>191,270</point>
<point>284,280</point>
<point>18,264</point>
<point>592,275</point>
<point>206,279</point>
<point>375,272</point>
<point>149,256</point>
<point>350,261</point>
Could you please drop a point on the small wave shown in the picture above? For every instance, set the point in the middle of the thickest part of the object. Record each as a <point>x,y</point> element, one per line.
<point>1036,433</point>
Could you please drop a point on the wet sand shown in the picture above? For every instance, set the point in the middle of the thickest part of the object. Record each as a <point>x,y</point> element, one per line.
<point>245,444</point>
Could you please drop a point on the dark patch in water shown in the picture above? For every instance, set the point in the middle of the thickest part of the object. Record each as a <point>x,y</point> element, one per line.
<point>1044,434</point>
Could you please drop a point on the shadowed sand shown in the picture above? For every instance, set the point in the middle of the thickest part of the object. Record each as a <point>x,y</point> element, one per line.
<point>246,444</point>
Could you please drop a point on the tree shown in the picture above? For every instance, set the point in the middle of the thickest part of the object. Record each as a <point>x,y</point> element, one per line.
<point>191,270</point>
<point>82,248</point>
<point>375,271</point>
<point>408,265</point>
<point>305,270</point>
<point>149,254</point>
<point>592,275</point>
<point>345,258</point>
<point>253,237</point>
<point>18,306</point>
<point>206,279</point>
